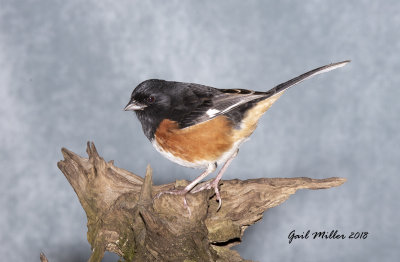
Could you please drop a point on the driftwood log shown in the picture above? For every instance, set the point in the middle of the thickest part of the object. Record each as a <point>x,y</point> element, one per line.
<point>124,218</point>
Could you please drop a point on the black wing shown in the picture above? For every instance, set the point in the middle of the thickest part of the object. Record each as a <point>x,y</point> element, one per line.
<point>221,102</point>
<point>215,102</point>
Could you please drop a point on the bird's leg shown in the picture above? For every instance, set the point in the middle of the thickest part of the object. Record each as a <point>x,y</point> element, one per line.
<point>214,183</point>
<point>211,168</point>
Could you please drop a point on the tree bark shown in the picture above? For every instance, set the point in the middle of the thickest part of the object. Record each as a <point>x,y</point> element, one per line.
<point>125,218</point>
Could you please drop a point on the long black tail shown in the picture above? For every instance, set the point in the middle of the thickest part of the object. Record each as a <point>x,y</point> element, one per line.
<point>282,87</point>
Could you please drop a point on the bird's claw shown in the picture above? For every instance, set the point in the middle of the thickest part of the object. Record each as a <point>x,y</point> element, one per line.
<point>209,185</point>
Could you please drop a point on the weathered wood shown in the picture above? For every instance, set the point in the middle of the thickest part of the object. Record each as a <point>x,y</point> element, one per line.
<point>124,218</point>
<point>43,257</point>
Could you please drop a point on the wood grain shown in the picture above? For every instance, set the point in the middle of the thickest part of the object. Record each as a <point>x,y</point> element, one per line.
<point>124,218</point>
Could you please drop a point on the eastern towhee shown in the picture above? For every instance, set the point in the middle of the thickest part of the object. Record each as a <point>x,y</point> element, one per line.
<point>200,126</point>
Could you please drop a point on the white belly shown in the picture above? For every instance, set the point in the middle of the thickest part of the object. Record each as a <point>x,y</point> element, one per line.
<point>198,164</point>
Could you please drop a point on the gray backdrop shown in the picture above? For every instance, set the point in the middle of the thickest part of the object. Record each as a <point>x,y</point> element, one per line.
<point>67,69</point>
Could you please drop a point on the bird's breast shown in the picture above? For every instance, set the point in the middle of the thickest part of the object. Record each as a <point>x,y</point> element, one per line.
<point>194,146</point>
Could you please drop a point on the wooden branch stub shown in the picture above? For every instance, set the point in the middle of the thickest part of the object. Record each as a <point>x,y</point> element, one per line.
<point>124,218</point>
<point>145,192</point>
<point>43,257</point>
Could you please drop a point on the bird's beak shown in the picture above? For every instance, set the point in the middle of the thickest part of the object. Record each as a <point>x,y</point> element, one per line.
<point>134,105</point>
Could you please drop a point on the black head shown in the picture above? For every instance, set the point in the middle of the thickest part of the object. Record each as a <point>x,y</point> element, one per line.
<point>154,100</point>
<point>149,95</point>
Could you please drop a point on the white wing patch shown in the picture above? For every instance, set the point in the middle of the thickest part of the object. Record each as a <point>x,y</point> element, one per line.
<point>212,112</point>
<point>234,105</point>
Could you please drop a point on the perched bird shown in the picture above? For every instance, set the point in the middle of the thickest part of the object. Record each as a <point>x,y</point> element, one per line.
<point>200,126</point>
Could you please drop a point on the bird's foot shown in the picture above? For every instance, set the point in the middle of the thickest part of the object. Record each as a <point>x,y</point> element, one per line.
<point>181,192</point>
<point>208,185</point>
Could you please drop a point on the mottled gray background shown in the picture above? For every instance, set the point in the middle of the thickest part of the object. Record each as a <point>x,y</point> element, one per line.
<point>67,69</point>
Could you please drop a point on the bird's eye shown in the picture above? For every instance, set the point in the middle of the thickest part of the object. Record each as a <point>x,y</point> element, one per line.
<point>151,99</point>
